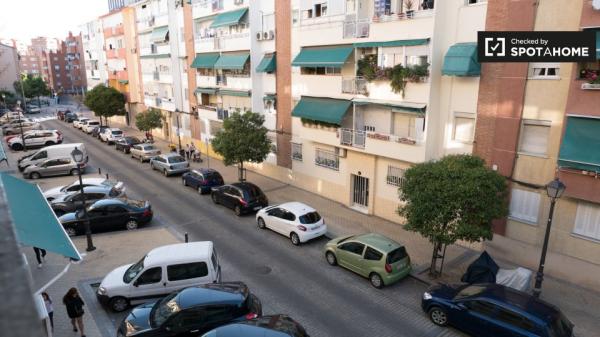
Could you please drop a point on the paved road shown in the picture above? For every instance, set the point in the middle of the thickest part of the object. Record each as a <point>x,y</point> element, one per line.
<point>328,301</point>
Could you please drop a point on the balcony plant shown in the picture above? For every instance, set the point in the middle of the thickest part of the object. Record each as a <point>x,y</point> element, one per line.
<point>367,67</point>
<point>408,5</point>
<point>401,75</point>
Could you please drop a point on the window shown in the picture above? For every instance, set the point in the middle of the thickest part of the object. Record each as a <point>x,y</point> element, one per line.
<point>481,307</point>
<point>276,212</point>
<point>544,71</point>
<point>524,205</point>
<point>186,271</point>
<point>119,43</point>
<point>417,60</point>
<point>295,16</point>
<point>472,2</point>
<point>152,275</point>
<point>395,176</point>
<point>307,14</point>
<point>368,128</point>
<point>515,320</point>
<point>297,151</point>
<point>396,255</point>
<point>115,209</point>
<point>57,67</point>
<point>353,247</point>
<point>289,216</point>
<point>40,155</point>
<point>320,10</point>
<point>372,255</point>
<point>310,218</point>
<point>587,220</point>
<point>320,71</point>
<point>534,137</point>
<point>327,159</point>
<point>463,127</point>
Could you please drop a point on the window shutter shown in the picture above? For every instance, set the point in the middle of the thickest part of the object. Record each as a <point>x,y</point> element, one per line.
<point>534,139</point>
<point>587,221</point>
<point>525,205</point>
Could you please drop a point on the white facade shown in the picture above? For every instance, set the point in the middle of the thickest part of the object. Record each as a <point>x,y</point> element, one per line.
<point>9,67</point>
<point>92,36</point>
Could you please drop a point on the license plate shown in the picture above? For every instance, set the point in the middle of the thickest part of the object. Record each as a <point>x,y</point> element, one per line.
<point>256,208</point>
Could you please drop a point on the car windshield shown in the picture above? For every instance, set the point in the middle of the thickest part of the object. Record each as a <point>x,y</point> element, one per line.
<point>176,159</point>
<point>214,177</point>
<point>149,148</point>
<point>561,327</point>
<point>163,310</point>
<point>109,183</point>
<point>252,192</point>
<point>396,255</point>
<point>136,203</point>
<point>133,271</point>
<point>309,218</point>
<point>133,140</point>
<point>469,291</point>
<point>118,132</point>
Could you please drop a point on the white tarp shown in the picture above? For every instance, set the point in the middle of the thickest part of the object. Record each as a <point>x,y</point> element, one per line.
<point>519,278</point>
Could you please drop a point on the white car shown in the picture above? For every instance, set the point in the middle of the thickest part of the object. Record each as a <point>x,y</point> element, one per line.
<point>110,135</point>
<point>89,125</point>
<point>295,220</point>
<point>56,192</point>
<point>36,138</point>
<point>79,123</point>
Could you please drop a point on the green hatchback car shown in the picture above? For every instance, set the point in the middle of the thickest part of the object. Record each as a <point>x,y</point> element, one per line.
<point>382,260</point>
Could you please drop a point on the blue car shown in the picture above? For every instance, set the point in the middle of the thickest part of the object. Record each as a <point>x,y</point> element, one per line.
<point>202,179</point>
<point>266,326</point>
<point>494,310</point>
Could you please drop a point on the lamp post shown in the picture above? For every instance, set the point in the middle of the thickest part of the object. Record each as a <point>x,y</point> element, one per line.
<point>178,130</point>
<point>555,189</point>
<point>21,123</point>
<point>78,158</point>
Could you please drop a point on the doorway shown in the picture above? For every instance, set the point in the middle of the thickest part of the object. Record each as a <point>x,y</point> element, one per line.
<point>360,191</point>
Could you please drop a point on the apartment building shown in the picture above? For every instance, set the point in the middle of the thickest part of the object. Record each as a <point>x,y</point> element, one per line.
<point>75,65</point>
<point>9,67</point>
<point>92,36</point>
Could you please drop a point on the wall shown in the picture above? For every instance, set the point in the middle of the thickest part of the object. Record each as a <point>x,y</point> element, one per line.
<point>9,67</point>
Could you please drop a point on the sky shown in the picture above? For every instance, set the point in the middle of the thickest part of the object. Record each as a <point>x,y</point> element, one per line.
<point>24,19</point>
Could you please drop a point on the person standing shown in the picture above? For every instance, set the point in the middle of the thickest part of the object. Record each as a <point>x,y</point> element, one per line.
<point>40,255</point>
<point>193,152</point>
<point>49,308</point>
<point>74,305</point>
<point>187,151</point>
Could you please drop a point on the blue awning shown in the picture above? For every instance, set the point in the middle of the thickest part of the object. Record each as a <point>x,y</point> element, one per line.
<point>461,60</point>
<point>35,222</point>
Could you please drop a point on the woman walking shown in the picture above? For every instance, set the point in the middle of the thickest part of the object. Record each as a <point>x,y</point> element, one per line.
<point>74,305</point>
<point>49,308</point>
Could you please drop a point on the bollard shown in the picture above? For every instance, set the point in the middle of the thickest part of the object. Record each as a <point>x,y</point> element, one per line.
<point>186,237</point>
<point>107,176</point>
<point>99,171</point>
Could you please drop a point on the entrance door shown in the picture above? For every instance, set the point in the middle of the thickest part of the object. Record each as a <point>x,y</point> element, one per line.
<point>360,191</point>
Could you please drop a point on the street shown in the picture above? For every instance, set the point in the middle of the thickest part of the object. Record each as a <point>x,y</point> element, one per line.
<point>328,301</point>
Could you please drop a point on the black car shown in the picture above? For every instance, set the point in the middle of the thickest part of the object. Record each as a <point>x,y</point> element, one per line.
<point>192,311</point>
<point>266,326</point>
<point>241,197</point>
<point>96,131</point>
<point>125,143</point>
<point>202,179</point>
<point>70,117</point>
<point>70,202</point>
<point>109,214</point>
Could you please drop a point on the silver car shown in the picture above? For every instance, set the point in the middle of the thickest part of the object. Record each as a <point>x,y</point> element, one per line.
<point>51,167</point>
<point>144,152</point>
<point>16,127</point>
<point>171,163</point>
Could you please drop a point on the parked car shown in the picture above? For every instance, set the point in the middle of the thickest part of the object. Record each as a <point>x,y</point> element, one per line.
<point>51,167</point>
<point>11,116</point>
<point>70,117</point>
<point>33,109</point>
<point>144,151</point>
<point>241,197</point>
<point>109,214</point>
<point>177,265</point>
<point>89,126</point>
<point>98,130</point>
<point>193,311</point>
<point>494,310</point>
<point>170,163</point>
<point>381,259</point>
<point>50,152</point>
<point>110,135</point>
<point>265,326</point>
<point>57,192</point>
<point>202,179</point>
<point>36,138</point>
<point>125,143</point>
<point>78,123</point>
<point>20,127</point>
<point>72,201</point>
<point>295,220</point>
<point>3,111</point>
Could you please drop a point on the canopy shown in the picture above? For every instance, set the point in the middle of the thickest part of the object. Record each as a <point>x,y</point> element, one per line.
<point>267,64</point>
<point>239,93</point>
<point>160,34</point>
<point>229,18</point>
<point>482,270</point>
<point>155,56</point>
<point>210,91</point>
<point>598,44</point>
<point>328,110</point>
<point>580,143</point>
<point>206,60</point>
<point>36,224</point>
<point>322,57</point>
<point>232,61</point>
<point>397,43</point>
<point>461,60</point>
<point>395,105</point>
<point>270,97</point>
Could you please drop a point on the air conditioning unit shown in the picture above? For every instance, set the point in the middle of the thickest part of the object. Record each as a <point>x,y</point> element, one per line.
<point>238,2</point>
<point>265,35</point>
<point>271,35</point>
<point>596,5</point>
<point>259,36</point>
<point>340,152</point>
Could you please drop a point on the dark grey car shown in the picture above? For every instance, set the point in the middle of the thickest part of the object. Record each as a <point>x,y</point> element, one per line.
<point>72,201</point>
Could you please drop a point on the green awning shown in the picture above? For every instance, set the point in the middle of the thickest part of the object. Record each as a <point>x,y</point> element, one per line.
<point>397,43</point>
<point>155,56</point>
<point>239,93</point>
<point>461,60</point>
<point>35,223</point>
<point>410,107</point>
<point>270,97</point>
<point>160,34</point>
<point>322,57</point>
<point>580,144</point>
<point>598,44</point>
<point>229,18</point>
<point>206,61</point>
<point>124,81</point>
<point>232,61</point>
<point>267,64</point>
<point>210,91</point>
<point>327,110</point>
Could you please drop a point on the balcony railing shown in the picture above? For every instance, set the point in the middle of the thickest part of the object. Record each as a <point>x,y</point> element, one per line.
<point>221,80</point>
<point>590,86</point>
<point>354,85</point>
<point>156,75</point>
<point>352,137</point>
<point>354,28</point>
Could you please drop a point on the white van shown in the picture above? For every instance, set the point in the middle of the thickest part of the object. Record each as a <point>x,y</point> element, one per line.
<point>49,152</point>
<point>162,271</point>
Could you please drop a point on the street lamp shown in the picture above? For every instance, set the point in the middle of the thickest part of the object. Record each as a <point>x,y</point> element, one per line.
<point>21,125</point>
<point>78,158</point>
<point>178,130</point>
<point>555,190</point>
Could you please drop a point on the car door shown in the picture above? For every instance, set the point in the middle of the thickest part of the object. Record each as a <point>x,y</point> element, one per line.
<point>287,224</point>
<point>135,150</point>
<point>49,167</point>
<point>476,317</point>
<point>63,166</point>
<point>181,275</point>
<point>116,216</point>
<point>147,285</point>
<point>274,216</point>
<point>512,324</point>
<point>186,323</point>
<point>230,195</point>
<point>220,314</point>
<point>372,259</point>
<point>33,140</point>
<point>97,218</point>
<point>349,253</point>
<point>196,179</point>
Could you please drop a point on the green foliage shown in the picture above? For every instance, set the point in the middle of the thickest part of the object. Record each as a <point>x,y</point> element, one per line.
<point>454,198</point>
<point>400,75</point>
<point>242,138</point>
<point>105,101</point>
<point>32,87</point>
<point>149,119</point>
<point>367,67</point>
<point>9,97</point>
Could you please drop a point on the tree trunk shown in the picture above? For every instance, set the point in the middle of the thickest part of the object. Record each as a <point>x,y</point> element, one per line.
<point>241,172</point>
<point>39,103</point>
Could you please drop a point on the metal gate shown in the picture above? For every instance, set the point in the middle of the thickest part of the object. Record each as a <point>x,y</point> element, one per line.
<point>360,190</point>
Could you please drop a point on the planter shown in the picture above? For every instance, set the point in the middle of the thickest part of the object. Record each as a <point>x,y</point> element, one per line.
<point>406,141</point>
<point>410,14</point>
<point>378,136</point>
<point>590,86</point>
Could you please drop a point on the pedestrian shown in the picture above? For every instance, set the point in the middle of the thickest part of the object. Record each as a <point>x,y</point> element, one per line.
<point>187,151</point>
<point>193,152</point>
<point>40,255</point>
<point>49,308</point>
<point>74,305</point>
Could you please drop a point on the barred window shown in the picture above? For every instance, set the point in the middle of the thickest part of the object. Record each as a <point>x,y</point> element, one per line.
<point>327,159</point>
<point>297,151</point>
<point>395,176</point>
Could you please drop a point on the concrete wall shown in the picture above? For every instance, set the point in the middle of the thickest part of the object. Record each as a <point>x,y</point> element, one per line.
<point>9,68</point>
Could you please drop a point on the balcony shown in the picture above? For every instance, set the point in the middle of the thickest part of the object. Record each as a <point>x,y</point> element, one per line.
<point>118,53</point>
<point>241,82</point>
<point>239,41</point>
<point>354,85</point>
<point>113,31</point>
<point>207,111</point>
<point>206,81</point>
<point>590,86</point>
<point>354,28</point>
<point>351,137</point>
<point>145,23</point>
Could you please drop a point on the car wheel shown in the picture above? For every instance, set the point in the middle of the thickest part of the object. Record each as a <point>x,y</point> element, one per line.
<point>183,181</point>
<point>73,172</point>
<point>331,259</point>
<point>165,173</point>
<point>214,198</point>
<point>200,190</point>
<point>131,225</point>
<point>70,231</point>
<point>237,210</point>
<point>295,239</point>
<point>17,147</point>
<point>376,280</point>
<point>261,223</point>
<point>118,304</point>
<point>142,160</point>
<point>35,175</point>
<point>49,143</point>
<point>438,316</point>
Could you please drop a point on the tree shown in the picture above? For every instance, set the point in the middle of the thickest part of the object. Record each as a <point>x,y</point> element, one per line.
<point>454,198</point>
<point>105,102</point>
<point>149,119</point>
<point>32,87</point>
<point>242,138</point>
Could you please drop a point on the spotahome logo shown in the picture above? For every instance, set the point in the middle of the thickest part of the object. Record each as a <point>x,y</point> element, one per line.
<point>536,46</point>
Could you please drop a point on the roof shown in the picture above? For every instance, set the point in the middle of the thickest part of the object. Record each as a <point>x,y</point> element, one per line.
<point>297,208</point>
<point>105,202</point>
<point>527,304</point>
<point>378,241</point>
<point>244,185</point>
<point>225,293</point>
<point>181,251</point>
<point>204,170</point>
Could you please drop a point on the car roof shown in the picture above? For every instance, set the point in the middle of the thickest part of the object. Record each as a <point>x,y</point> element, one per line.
<point>169,155</point>
<point>265,326</point>
<point>244,185</point>
<point>113,201</point>
<point>223,293</point>
<point>115,129</point>
<point>203,170</point>
<point>95,181</point>
<point>378,241</point>
<point>523,302</point>
<point>179,252</point>
<point>93,121</point>
<point>297,208</point>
